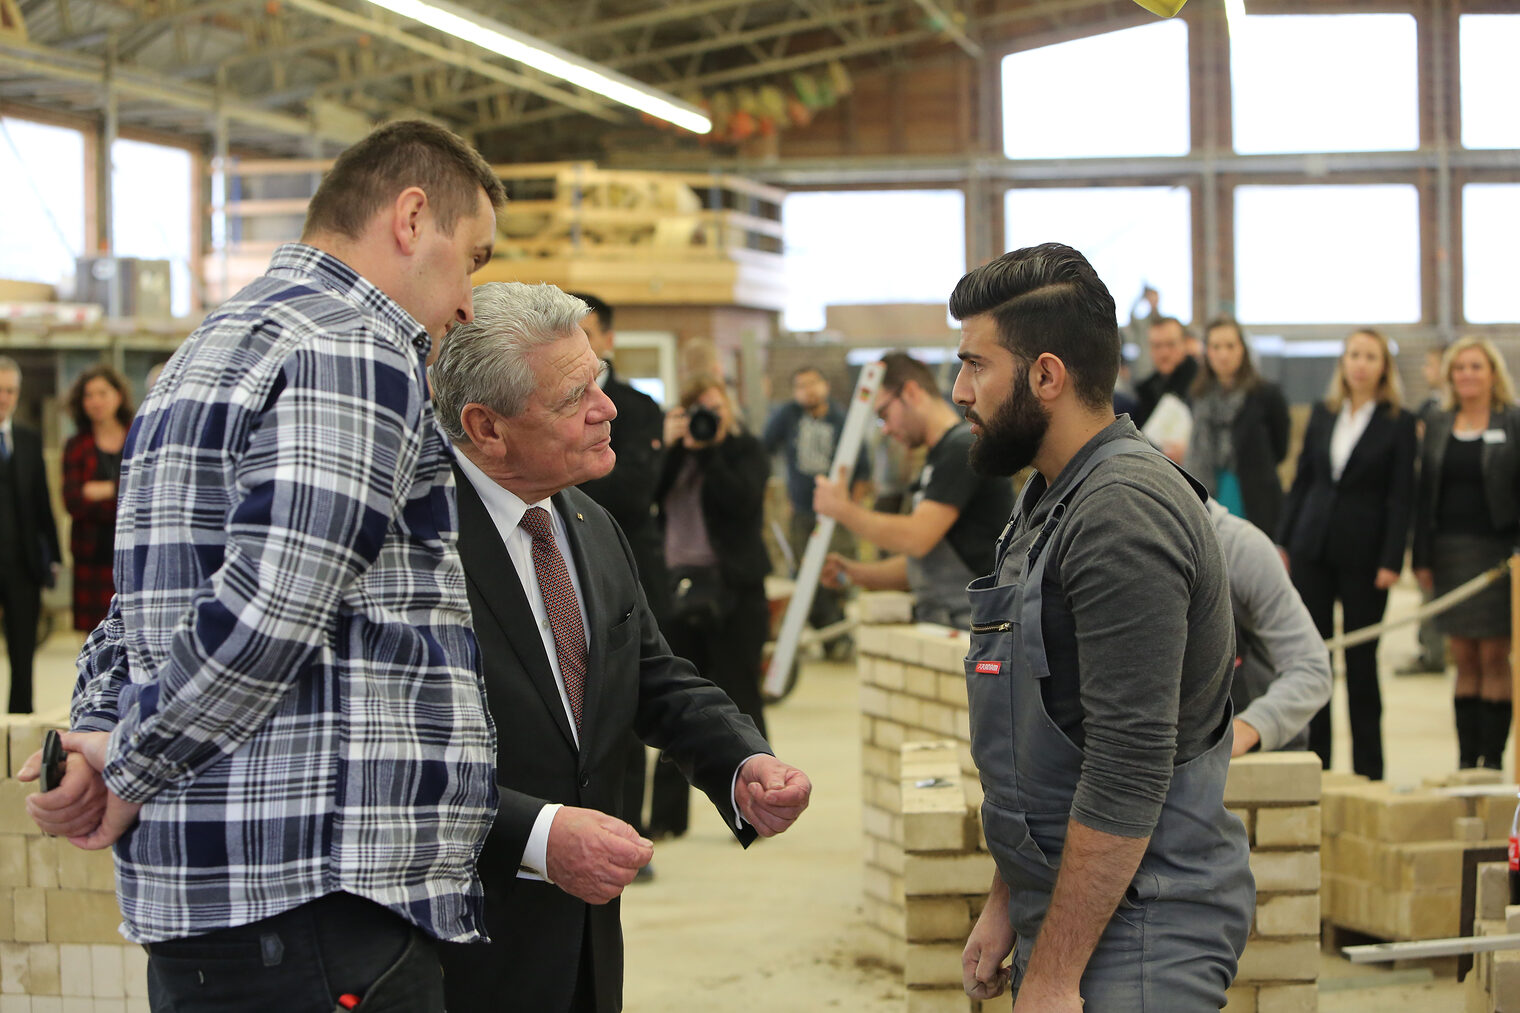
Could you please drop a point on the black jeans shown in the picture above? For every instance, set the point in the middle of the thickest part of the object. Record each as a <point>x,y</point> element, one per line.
<point>301,961</point>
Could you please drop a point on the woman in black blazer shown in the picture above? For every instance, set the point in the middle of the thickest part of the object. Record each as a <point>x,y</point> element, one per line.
<point>1346,521</point>
<point>1240,429</point>
<point>710,501</point>
<point>1467,517</point>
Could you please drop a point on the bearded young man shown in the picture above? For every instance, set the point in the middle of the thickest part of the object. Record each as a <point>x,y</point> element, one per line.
<point>1101,726</point>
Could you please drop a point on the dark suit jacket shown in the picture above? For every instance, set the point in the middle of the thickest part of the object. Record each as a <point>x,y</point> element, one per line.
<point>1362,521</point>
<point>1501,476</point>
<point>36,534</point>
<point>632,684</point>
<point>628,490</point>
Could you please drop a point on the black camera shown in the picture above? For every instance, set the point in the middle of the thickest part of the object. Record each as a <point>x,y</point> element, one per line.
<point>702,423</point>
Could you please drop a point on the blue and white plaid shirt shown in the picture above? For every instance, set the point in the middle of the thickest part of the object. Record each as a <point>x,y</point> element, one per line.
<point>288,669</point>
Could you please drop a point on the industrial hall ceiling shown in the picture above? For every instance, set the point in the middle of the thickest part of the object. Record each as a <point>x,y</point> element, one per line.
<point>306,77</point>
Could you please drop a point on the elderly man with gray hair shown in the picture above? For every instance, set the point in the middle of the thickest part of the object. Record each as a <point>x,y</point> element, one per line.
<point>573,661</point>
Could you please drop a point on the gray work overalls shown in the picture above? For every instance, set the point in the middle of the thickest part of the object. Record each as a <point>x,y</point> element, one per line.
<point>1174,942</point>
<point>938,580</point>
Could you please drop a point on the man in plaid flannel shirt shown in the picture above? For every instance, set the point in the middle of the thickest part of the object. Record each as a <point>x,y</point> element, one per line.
<point>280,724</point>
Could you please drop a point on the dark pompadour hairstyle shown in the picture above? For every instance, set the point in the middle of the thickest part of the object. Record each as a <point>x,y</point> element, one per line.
<point>1048,298</point>
<point>369,175</point>
<point>902,367</point>
<point>602,310</point>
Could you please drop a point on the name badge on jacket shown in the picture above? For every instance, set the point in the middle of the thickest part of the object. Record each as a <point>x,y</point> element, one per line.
<point>1493,436</point>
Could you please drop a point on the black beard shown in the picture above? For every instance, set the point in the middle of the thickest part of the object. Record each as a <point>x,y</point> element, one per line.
<point>1013,435</point>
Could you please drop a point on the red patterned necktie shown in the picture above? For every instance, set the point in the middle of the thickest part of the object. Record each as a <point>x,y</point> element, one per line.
<point>561,605</point>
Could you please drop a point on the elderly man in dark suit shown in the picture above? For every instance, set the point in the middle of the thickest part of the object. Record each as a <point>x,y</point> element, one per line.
<point>573,661</point>
<point>28,536</point>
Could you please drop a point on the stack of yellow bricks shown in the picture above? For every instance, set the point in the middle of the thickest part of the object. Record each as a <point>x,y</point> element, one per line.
<point>59,948</point>
<point>1277,796</point>
<point>1392,856</point>
<point>926,867</point>
<point>1493,984</point>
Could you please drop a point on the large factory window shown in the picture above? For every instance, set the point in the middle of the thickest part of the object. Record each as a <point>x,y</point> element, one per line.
<point>1327,254</point>
<point>152,189</point>
<point>1490,79</point>
<point>870,246</point>
<point>42,176</point>
<point>1135,237</point>
<point>1325,82</point>
<point>1122,93</point>
<point>1490,259</point>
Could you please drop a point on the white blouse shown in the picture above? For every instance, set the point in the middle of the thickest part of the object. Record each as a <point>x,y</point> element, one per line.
<point>1349,427</point>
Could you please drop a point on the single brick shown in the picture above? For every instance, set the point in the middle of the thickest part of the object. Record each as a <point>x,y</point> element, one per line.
<point>878,607</point>
<point>888,674</point>
<point>1272,777</point>
<point>42,861</point>
<point>1493,889</point>
<point>930,919</point>
<point>872,641</point>
<point>1268,960</point>
<point>929,875</point>
<point>15,967</point>
<point>875,701</point>
<point>1293,827</point>
<point>31,916</point>
<point>42,970</point>
<point>951,689</point>
<point>134,971</point>
<point>921,682</point>
<point>1284,871</point>
<point>82,916</point>
<point>1288,915</point>
<point>1240,999</point>
<point>1467,828</point>
<point>933,964</point>
<point>14,861</point>
<point>76,969</point>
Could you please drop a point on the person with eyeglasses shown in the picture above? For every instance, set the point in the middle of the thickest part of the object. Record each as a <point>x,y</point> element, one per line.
<point>943,542</point>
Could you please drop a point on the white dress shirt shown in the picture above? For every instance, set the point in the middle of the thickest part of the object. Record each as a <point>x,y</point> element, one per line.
<point>1349,427</point>
<point>506,510</point>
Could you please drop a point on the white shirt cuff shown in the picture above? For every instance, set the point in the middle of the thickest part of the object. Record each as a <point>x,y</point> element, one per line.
<point>733,794</point>
<point>535,859</point>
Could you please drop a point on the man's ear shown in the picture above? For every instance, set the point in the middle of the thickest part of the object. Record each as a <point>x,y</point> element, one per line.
<point>407,213</point>
<point>1047,377</point>
<point>479,424</point>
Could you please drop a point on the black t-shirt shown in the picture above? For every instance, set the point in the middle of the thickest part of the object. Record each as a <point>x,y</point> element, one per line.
<point>985,502</point>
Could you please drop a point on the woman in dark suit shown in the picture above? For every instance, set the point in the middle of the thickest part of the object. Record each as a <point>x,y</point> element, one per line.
<point>710,502</point>
<point>1467,517</point>
<point>1240,429</point>
<point>101,406</point>
<point>1346,521</point>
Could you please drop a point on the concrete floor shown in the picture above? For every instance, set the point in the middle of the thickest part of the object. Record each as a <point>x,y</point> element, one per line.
<point>779,926</point>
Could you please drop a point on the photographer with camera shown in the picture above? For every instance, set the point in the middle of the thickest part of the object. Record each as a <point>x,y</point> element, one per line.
<point>710,504</point>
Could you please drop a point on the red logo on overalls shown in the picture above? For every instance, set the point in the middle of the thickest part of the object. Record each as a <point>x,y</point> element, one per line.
<point>989,667</point>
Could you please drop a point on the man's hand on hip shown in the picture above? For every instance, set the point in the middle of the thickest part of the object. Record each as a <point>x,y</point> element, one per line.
<point>771,794</point>
<point>593,856</point>
<point>81,808</point>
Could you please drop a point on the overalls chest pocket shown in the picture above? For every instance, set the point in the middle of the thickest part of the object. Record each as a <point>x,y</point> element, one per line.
<point>990,658</point>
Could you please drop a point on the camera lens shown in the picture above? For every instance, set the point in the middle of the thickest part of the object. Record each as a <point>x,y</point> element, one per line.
<point>702,424</point>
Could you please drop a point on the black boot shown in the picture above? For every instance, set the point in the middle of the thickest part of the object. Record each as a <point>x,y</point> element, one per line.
<point>1470,712</point>
<point>1497,718</point>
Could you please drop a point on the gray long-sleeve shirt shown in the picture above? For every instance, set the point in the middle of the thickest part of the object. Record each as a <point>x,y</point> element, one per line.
<point>1138,632</point>
<point>1284,674</point>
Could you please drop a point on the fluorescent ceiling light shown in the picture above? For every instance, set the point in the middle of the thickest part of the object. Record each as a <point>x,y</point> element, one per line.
<point>491,35</point>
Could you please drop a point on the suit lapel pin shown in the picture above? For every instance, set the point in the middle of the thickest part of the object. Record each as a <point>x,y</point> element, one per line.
<point>579,517</point>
